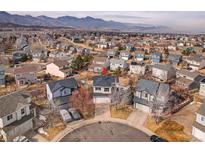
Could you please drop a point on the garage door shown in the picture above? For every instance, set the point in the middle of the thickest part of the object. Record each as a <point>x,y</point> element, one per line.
<point>142,107</point>
<point>102,100</point>
<point>198,134</point>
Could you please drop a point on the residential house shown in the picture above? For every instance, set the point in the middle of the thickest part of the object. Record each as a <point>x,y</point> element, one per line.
<point>111,54</point>
<point>103,87</point>
<point>103,45</point>
<point>198,127</point>
<point>98,64</point>
<point>202,88</point>
<point>174,59</point>
<point>2,76</point>
<point>148,92</point>
<point>16,115</point>
<point>156,57</point>
<point>188,80</point>
<point>59,68</point>
<point>39,55</point>
<point>163,72</point>
<point>19,56</point>
<point>118,63</point>
<point>196,62</point>
<point>25,74</point>
<point>138,68</point>
<point>57,55</point>
<point>59,92</point>
<point>140,57</point>
<point>125,55</point>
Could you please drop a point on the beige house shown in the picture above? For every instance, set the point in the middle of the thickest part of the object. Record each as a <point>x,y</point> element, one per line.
<point>59,68</point>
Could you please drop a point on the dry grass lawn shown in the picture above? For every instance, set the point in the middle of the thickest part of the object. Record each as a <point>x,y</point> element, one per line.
<point>53,131</point>
<point>168,129</point>
<point>120,112</point>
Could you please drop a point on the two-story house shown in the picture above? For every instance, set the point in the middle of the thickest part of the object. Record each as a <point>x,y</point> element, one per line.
<point>16,115</point>
<point>103,87</point>
<point>118,63</point>
<point>59,92</point>
<point>111,54</point>
<point>174,59</point>
<point>148,92</point>
<point>198,127</point>
<point>163,72</point>
<point>140,57</point>
<point>188,80</point>
<point>156,57</point>
<point>2,76</point>
<point>25,74</point>
<point>59,68</point>
<point>138,68</point>
<point>98,64</point>
<point>125,55</point>
<point>196,62</point>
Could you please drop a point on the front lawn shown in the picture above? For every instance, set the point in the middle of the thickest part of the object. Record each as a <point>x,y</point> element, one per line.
<point>168,129</point>
<point>121,112</point>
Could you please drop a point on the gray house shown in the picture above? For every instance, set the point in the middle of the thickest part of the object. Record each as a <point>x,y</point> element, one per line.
<point>174,59</point>
<point>59,92</point>
<point>156,57</point>
<point>188,80</point>
<point>16,115</point>
<point>196,62</point>
<point>148,92</point>
<point>118,63</point>
<point>2,76</point>
<point>103,87</point>
<point>163,72</point>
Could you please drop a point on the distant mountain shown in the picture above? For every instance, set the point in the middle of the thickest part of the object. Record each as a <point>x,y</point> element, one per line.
<point>70,21</point>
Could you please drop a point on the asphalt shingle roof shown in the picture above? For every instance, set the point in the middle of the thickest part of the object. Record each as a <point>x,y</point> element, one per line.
<point>105,81</point>
<point>66,83</point>
<point>12,102</point>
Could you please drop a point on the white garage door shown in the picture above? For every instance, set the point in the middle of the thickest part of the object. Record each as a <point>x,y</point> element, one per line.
<point>102,100</point>
<point>142,107</point>
<point>198,134</point>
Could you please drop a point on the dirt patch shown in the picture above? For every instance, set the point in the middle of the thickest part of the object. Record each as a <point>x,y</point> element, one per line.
<point>120,112</point>
<point>168,129</point>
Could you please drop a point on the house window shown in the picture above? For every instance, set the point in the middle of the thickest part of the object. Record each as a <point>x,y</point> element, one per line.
<point>202,118</point>
<point>106,89</point>
<point>22,111</point>
<point>9,117</point>
<point>97,88</point>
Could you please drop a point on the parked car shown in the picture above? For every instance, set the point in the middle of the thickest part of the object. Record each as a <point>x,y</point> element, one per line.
<point>75,114</point>
<point>155,138</point>
<point>65,115</point>
<point>21,139</point>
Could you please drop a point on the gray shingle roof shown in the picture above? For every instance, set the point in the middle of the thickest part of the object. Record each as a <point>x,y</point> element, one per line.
<point>166,67</point>
<point>12,102</point>
<point>66,83</point>
<point>149,86</point>
<point>105,81</point>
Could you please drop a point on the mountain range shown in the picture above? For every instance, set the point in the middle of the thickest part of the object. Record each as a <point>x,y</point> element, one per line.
<point>74,22</point>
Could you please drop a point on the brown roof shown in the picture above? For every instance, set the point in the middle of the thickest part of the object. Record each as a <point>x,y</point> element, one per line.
<point>101,59</point>
<point>184,80</point>
<point>61,63</point>
<point>25,69</point>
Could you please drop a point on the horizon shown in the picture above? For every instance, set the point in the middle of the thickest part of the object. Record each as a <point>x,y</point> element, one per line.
<point>190,21</point>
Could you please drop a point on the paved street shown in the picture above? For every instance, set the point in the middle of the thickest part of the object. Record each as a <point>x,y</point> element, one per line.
<point>106,132</point>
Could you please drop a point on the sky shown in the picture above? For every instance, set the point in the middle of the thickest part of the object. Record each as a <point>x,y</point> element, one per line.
<point>180,20</point>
